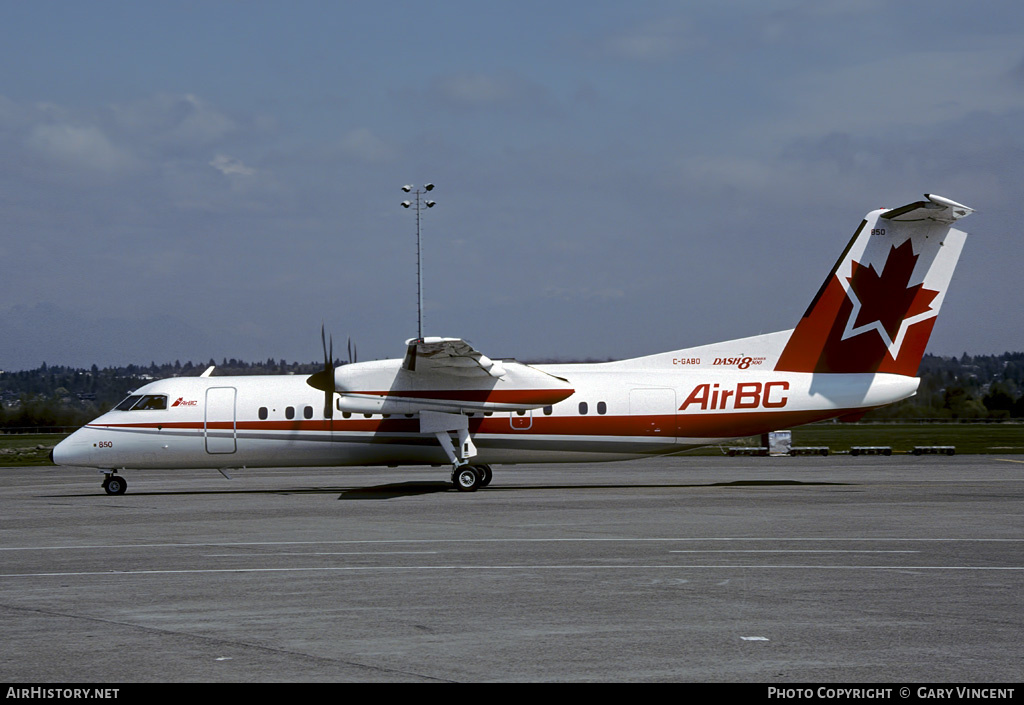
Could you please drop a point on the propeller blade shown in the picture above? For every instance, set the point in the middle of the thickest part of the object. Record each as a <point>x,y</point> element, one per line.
<point>324,379</point>
<point>329,394</point>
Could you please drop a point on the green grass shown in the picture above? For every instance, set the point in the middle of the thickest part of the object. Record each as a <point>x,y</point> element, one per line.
<point>968,438</point>
<point>972,439</point>
<point>28,448</point>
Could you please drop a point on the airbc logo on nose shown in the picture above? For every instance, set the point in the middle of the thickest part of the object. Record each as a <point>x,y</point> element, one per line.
<point>745,395</point>
<point>182,402</point>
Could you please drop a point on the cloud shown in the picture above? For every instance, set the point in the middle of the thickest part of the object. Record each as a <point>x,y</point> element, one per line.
<point>198,122</point>
<point>85,147</point>
<point>229,166</point>
<point>364,145</point>
<point>174,119</point>
<point>1017,73</point>
<point>887,94</point>
<point>655,41</point>
<point>502,91</point>
<point>160,134</point>
<point>476,89</point>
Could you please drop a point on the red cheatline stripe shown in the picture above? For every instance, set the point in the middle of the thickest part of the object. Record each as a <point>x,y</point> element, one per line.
<point>705,425</point>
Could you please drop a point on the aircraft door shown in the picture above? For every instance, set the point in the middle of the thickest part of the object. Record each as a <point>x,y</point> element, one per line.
<point>219,425</point>
<point>653,411</point>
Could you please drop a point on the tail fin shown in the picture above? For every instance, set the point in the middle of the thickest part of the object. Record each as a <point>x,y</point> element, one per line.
<point>877,308</point>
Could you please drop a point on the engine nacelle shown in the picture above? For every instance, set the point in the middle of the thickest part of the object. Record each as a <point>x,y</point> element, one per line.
<point>385,387</point>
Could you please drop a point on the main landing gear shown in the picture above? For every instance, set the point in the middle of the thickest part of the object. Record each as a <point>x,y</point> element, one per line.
<point>470,478</point>
<point>465,477</point>
<point>114,484</point>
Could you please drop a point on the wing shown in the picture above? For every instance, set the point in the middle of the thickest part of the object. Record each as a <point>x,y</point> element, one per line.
<point>452,356</point>
<point>445,375</point>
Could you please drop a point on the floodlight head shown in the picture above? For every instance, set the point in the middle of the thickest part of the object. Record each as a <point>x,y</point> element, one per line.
<point>429,187</point>
<point>431,204</point>
<point>407,188</point>
<point>406,204</point>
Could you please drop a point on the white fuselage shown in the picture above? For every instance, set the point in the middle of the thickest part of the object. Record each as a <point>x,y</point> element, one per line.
<point>615,412</point>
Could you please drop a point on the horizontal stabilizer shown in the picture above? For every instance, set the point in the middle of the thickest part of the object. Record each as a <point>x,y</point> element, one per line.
<point>936,208</point>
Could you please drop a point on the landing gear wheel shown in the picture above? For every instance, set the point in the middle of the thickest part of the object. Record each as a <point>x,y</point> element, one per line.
<point>115,484</point>
<point>486,475</point>
<point>467,478</point>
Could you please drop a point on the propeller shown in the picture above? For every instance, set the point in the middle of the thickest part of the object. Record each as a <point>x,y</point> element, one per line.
<point>324,379</point>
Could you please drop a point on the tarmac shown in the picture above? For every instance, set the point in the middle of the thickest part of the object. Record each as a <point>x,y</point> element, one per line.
<point>882,570</point>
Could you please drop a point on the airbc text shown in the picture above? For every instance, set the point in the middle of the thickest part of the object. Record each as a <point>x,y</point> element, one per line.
<point>745,395</point>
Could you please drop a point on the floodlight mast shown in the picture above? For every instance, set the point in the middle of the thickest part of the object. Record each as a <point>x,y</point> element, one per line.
<point>418,205</point>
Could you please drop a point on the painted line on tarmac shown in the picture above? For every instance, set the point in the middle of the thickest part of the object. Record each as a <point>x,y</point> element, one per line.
<point>468,568</point>
<point>787,550</point>
<point>215,544</point>
<point>322,553</point>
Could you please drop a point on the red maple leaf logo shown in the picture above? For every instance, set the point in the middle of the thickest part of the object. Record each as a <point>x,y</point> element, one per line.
<point>887,298</point>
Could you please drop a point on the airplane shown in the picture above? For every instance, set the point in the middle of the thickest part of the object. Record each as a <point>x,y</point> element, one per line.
<point>857,347</point>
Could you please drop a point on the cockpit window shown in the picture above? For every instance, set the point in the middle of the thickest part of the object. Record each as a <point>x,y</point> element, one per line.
<point>129,402</point>
<point>149,402</point>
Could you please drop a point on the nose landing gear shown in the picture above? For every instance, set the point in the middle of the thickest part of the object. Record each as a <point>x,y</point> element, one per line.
<point>114,484</point>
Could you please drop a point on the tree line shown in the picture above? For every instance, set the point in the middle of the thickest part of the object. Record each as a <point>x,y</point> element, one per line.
<point>52,395</point>
<point>982,387</point>
<point>968,387</point>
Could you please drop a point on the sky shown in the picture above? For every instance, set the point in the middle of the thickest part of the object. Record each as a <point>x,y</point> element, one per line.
<point>196,180</point>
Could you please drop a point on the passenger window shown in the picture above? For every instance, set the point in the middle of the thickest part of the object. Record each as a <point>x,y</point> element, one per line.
<point>263,413</point>
<point>308,412</point>
<point>289,412</point>
<point>583,408</point>
<point>602,408</point>
<point>547,410</point>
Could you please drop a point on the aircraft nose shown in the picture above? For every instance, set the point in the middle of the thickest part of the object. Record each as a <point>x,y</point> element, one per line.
<point>73,450</point>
